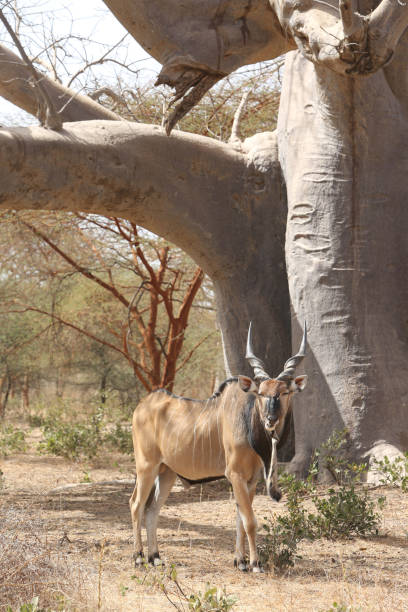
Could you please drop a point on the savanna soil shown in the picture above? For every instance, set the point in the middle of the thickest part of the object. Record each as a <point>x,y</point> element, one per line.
<point>91,522</point>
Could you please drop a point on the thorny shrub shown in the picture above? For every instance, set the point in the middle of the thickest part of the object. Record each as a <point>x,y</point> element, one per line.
<point>31,570</point>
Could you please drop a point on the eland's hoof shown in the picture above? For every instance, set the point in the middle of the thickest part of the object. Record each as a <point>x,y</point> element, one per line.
<point>255,568</point>
<point>139,559</point>
<point>155,560</point>
<point>241,564</point>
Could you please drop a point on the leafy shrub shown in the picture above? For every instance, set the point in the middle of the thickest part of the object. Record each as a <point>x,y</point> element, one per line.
<point>346,512</point>
<point>340,607</point>
<point>27,607</point>
<point>69,440</point>
<point>82,440</point>
<point>211,599</point>
<point>278,548</point>
<point>332,456</point>
<point>35,420</point>
<point>393,473</point>
<point>11,440</point>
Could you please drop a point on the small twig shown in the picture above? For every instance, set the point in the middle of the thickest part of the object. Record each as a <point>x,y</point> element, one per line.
<point>100,573</point>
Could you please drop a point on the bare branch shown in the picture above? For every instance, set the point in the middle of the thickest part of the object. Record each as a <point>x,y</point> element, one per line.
<point>75,265</point>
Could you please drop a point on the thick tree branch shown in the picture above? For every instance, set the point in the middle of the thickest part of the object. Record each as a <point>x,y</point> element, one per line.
<point>135,171</point>
<point>226,35</point>
<point>15,87</point>
<point>46,112</point>
<point>210,200</point>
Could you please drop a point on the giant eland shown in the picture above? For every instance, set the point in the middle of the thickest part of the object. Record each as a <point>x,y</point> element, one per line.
<point>233,434</point>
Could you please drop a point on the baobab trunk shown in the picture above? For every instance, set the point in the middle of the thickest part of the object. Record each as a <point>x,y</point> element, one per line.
<point>343,146</point>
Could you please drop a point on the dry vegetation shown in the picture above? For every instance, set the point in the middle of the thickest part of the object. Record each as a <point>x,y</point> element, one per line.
<point>31,566</point>
<point>76,542</point>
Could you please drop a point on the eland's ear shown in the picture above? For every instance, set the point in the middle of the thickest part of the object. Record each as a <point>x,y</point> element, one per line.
<point>300,382</point>
<point>247,384</point>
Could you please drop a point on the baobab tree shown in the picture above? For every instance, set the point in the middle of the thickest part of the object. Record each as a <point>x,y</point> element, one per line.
<point>305,223</point>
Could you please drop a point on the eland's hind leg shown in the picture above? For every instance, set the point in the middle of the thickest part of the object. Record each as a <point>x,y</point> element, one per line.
<point>144,483</point>
<point>160,492</point>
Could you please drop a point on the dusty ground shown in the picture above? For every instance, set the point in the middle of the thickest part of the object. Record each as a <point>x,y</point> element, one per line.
<point>196,532</point>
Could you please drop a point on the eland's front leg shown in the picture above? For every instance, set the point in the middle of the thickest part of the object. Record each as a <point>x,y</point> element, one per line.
<point>244,498</point>
<point>240,560</point>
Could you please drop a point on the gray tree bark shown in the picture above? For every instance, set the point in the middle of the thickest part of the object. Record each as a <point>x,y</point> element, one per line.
<point>342,145</point>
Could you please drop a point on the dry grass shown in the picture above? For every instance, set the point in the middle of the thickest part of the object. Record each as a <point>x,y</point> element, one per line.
<point>31,567</point>
<point>196,533</point>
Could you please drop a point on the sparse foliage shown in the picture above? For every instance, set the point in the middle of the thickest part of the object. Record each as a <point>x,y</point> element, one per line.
<point>393,473</point>
<point>12,440</point>
<point>342,512</point>
<point>211,599</point>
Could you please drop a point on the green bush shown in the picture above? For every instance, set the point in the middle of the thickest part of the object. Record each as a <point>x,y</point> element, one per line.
<point>332,455</point>
<point>120,438</point>
<point>212,599</point>
<point>11,440</point>
<point>346,512</point>
<point>27,607</point>
<point>70,440</point>
<point>278,548</point>
<point>82,440</point>
<point>340,607</point>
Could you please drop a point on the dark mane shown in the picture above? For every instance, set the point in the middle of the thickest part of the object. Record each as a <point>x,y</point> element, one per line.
<point>257,437</point>
<point>222,386</point>
<point>169,393</point>
<point>216,394</point>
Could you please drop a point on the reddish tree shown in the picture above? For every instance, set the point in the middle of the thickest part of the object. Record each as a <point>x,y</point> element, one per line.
<point>153,356</point>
